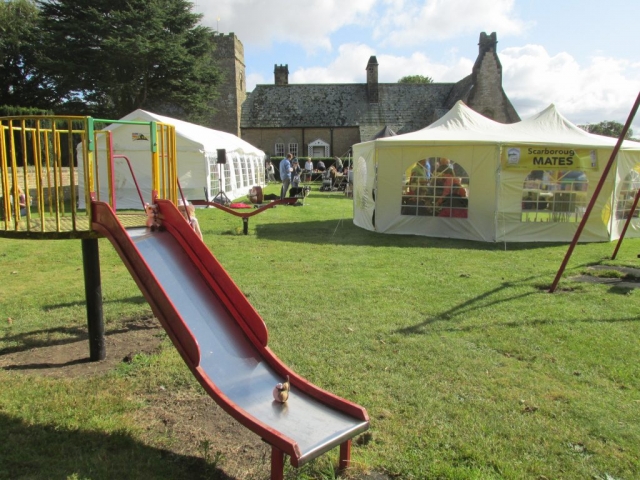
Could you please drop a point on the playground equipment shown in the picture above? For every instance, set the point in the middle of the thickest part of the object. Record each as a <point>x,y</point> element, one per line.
<point>589,208</point>
<point>218,333</point>
<point>245,215</point>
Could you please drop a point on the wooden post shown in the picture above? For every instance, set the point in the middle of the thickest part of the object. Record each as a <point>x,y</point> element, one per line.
<point>345,455</point>
<point>277,464</point>
<point>93,295</point>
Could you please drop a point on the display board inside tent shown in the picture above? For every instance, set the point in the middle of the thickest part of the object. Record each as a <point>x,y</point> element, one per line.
<point>468,177</point>
<point>199,173</point>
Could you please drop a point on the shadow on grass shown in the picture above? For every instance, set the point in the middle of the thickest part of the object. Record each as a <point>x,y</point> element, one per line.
<point>344,232</point>
<point>464,308</point>
<point>42,338</point>
<point>137,300</point>
<point>49,451</point>
<point>476,303</point>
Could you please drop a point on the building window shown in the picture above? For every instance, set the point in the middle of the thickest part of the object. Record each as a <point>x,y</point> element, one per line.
<point>554,196</point>
<point>435,187</point>
<point>293,149</point>
<point>279,150</point>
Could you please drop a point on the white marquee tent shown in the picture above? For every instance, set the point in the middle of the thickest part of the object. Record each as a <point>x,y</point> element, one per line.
<point>197,155</point>
<point>524,182</point>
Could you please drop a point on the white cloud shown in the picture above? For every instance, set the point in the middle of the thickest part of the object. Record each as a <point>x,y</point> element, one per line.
<point>350,67</point>
<point>308,23</point>
<point>604,89</point>
<point>414,22</point>
<point>254,79</point>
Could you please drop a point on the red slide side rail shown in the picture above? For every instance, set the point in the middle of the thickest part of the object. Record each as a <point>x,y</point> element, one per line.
<point>106,223</point>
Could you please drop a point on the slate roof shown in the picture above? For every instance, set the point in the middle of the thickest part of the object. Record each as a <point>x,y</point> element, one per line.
<point>402,107</point>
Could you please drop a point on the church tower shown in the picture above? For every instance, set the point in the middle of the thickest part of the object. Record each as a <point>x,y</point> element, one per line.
<point>232,92</point>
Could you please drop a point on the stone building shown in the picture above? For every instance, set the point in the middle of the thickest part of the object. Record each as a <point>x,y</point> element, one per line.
<point>232,92</point>
<point>323,120</point>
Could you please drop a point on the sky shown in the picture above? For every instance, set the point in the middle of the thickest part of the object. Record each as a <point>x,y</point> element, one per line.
<point>583,56</point>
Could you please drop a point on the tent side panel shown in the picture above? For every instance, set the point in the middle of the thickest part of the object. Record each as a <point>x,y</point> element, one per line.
<point>364,176</point>
<point>514,224</point>
<point>479,163</point>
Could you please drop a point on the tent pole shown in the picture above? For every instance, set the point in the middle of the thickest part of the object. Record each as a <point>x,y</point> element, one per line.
<point>594,197</point>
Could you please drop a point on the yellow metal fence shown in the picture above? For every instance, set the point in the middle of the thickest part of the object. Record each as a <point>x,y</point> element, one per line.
<point>40,175</point>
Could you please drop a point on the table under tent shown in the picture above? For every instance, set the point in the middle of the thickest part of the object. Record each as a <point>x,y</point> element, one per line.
<point>524,182</point>
<point>198,149</point>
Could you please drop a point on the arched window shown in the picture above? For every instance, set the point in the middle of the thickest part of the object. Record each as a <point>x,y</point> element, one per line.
<point>293,147</point>
<point>554,196</point>
<point>627,194</point>
<point>278,150</point>
<point>435,187</point>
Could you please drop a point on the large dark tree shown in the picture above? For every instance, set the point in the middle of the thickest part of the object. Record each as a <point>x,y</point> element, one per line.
<point>607,128</point>
<point>110,57</point>
<point>21,81</point>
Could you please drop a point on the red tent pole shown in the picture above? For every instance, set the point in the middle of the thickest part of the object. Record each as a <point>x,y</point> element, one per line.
<point>594,197</point>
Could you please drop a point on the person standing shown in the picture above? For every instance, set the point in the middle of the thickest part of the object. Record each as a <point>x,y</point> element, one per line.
<point>285,175</point>
<point>295,173</point>
<point>271,172</point>
<point>22,202</point>
<point>308,168</point>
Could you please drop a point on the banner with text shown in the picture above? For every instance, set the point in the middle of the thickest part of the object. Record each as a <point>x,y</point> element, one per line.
<point>549,158</point>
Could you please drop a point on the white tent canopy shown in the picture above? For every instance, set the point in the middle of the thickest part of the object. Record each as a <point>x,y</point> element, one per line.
<point>527,181</point>
<point>197,153</point>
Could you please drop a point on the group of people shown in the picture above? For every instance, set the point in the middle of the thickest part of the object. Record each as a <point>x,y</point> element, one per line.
<point>291,174</point>
<point>445,191</point>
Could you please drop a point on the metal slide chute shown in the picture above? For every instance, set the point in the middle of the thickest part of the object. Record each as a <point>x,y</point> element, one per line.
<point>223,340</point>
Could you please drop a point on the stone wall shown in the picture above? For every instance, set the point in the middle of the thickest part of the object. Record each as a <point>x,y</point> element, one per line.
<point>31,179</point>
<point>339,139</point>
<point>229,56</point>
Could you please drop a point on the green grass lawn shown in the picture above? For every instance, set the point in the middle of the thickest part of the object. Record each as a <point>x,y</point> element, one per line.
<point>468,368</point>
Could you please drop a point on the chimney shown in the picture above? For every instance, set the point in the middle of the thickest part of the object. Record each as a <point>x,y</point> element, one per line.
<point>372,80</point>
<point>281,73</point>
<point>487,45</point>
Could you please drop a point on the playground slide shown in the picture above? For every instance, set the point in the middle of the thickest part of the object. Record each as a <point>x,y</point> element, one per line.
<point>223,340</point>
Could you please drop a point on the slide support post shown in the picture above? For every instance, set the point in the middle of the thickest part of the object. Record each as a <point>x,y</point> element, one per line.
<point>93,294</point>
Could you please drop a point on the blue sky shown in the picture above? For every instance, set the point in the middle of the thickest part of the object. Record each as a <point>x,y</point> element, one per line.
<point>583,56</point>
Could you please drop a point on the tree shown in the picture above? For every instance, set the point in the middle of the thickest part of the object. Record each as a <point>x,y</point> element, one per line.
<point>607,128</point>
<point>416,79</point>
<point>22,83</point>
<point>110,57</point>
